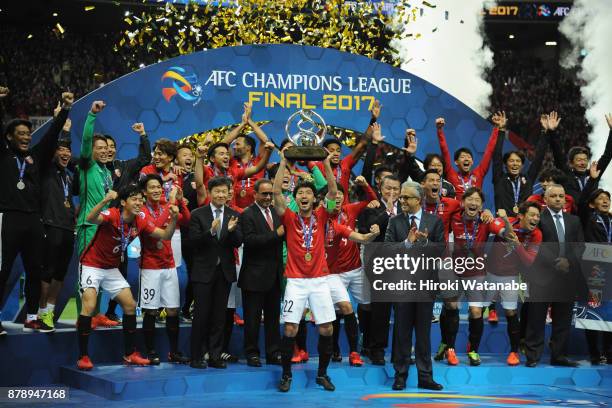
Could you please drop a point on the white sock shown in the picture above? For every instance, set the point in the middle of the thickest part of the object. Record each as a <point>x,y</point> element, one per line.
<point>42,310</point>
<point>31,317</point>
<point>50,307</point>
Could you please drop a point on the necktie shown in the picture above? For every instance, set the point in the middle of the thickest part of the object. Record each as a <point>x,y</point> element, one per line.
<point>413,222</point>
<point>218,217</point>
<point>560,234</point>
<point>269,219</point>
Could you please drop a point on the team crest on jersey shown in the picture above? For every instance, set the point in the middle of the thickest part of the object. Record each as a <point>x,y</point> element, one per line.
<point>117,173</point>
<point>105,212</point>
<point>29,160</point>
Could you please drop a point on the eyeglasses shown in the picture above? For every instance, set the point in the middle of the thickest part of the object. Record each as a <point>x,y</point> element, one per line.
<point>406,198</point>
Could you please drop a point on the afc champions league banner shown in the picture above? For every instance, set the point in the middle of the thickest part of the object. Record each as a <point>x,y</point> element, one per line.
<point>597,268</point>
<point>206,90</point>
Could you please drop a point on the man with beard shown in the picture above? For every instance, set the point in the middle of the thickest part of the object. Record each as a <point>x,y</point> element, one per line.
<point>576,166</point>
<point>464,159</point>
<point>100,265</point>
<point>523,238</point>
<point>58,219</point>
<point>21,228</point>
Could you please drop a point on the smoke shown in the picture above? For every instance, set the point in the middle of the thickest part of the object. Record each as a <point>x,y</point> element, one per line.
<point>447,49</point>
<point>588,27</point>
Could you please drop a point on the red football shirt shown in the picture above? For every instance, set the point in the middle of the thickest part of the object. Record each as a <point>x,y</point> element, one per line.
<point>104,250</point>
<point>168,177</point>
<point>474,230</point>
<point>444,209</point>
<point>342,172</point>
<point>233,173</point>
<point>297,264</point>
<point>243,200</point>
<point>343,255</point>
<point>152,256</point>
<point>505,262</point>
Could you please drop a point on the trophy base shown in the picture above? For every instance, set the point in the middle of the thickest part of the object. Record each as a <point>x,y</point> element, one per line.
<point>305,153</point>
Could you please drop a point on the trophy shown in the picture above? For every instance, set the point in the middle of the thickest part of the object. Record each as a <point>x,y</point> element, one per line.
<point>306,129</point>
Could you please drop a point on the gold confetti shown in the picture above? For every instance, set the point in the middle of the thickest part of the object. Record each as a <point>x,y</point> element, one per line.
<point>89,8</point>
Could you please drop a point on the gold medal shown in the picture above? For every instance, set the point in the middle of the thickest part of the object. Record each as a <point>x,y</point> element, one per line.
<point>242,193</point>
<point>160,245</point>
<point>20,185</point>
<point>67,204</point>
<point>515,209</point>
<point>308,257</point>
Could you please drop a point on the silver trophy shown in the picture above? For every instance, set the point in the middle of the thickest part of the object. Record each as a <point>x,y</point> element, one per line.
<point>306,129</point>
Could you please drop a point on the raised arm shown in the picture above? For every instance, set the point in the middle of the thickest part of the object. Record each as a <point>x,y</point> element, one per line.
<point>198,175</point>
<point>448,167</point>
<point>551,122</point>
<point>88,131</point>
<point>235,132</point>
<point>249,171</point>
<point>45,148</point>
<point>483,166</point>
<point>411,167</point>
<point>605,158</point>
<point>332,187</point>
<point>94,216</point>
<point>279,200</point>
<point>498,165</point>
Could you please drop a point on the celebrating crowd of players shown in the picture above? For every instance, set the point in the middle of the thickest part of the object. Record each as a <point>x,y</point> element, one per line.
<point>292,242</point>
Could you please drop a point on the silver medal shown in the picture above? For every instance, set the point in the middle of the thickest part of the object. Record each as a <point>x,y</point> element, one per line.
<point>20,185</point>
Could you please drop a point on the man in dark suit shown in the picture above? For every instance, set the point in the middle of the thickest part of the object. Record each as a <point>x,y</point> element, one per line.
<point>377,331</point>
<point>554,279</point>
<point>419,232</point>
<point>261,273</point>
<point>214,233</point>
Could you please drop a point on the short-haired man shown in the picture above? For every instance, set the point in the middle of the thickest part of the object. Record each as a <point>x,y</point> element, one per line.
<point>100,265</point>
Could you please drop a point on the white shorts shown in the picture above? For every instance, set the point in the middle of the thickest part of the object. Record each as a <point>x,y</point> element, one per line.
<point>509,298</point>
<point>316,292</point>
<point>110,280</point>
<point>356,284</point>
<point>337,289</point>
<point>159,288</point>
<point>177,252</point>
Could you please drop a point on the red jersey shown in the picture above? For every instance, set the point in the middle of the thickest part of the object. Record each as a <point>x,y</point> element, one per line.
<point>344,255</point>
<point>234,173</point>
<point>104,251</point>
<point>476,176</point>
<point>246,198</point>
<point>503,261</point>
<point>569,207</point>
<point>444,209</point>
<point>157,253</point>
<point>469,239</point>
<point>299,264</point>
<point>169,179</point>
<point>342,172</point>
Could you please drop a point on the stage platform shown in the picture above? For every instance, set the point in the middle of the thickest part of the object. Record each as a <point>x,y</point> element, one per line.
<point>117,382</point>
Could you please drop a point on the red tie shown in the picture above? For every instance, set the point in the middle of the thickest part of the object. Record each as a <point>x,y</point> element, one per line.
<point>269,219</point>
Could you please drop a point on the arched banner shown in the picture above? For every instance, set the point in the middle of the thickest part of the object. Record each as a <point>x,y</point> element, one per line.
<point>205,90</point>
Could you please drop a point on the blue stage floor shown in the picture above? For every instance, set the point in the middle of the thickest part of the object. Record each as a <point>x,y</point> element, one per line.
<point>378,396</point>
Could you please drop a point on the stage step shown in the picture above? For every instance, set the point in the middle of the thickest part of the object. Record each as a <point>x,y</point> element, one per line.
<point>117,382</point>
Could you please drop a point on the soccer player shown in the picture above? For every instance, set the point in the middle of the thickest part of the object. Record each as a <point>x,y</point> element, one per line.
<point>164,153</point>
<point>101,259</point>
<point>21,228</point>
<point>523,238</point>
<point>464,159</point>
<point>432,161</point>
<point>435,203</point>
<point>344,262</point>
<point>470,233</point>
<point>245,156</point>
<point>576,168</point>
<point>58,219</point>
<point>159,286</point>
<point>306,270</point>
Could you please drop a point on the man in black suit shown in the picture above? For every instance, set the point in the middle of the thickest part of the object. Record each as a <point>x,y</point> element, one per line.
<point>261,273</point>
<point>377,332</point>
<point>420,233</point>
<point>214,233</point>
<point>555,275</point>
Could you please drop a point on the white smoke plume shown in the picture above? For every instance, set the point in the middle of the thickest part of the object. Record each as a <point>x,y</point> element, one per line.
<point>447,49</point>
<point>588,27</point>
